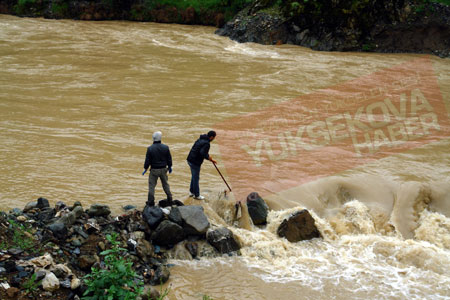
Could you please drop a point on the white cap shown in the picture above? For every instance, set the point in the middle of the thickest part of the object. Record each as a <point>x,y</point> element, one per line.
<point>157,136</point>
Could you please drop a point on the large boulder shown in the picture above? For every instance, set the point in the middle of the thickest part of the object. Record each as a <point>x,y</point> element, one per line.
<point>298,227</point>
<point>97,210</point>
<point>194,219</point>
<point>42,203</point>
<point>222,239</point>
<point>257,209</point>
<point>167,234</point>
<point>153,215</point>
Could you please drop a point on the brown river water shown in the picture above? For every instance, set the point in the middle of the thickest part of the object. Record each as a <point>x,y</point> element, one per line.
<point>79,102</point>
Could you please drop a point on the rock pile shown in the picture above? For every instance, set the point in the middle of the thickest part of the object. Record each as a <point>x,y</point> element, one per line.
<point>46,251</point>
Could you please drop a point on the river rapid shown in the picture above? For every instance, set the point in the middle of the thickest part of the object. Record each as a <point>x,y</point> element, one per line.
<point>79,102</point>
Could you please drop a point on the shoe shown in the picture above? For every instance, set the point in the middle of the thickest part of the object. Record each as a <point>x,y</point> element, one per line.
<point>200,197</point>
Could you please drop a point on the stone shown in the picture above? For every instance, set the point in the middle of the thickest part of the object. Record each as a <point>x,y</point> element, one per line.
<point>12,292</point>
<point>161,275</point>
<point>60,205</point>
<point>21,218</point>
<point>15,251</point>
<point>42,203</point>
<point>298,227</point>
<point>30,205</point>
<point>46,214</point>
<point>144,249</point>
<point>75,283</point>
<point>2,271</point>
<point>43,261</point>
<point>175,216</point>
<point>222,239</point>
<point>192,247</point>
<point>257,209</point>
<point>71,217</point>
<point>303,34</point>
<point>86,261</point>
<point>167,234</point>
<point>65,283</point>
<point>129,207</point>
<point>40,275</point>
<point>50,282</point>
<point>153,215</point>
<point>58,229</point>
<point>194,219</point>
<point>10,266</point>
<point>97,210</point>
<point>77,203</point>
<point>150,293</point>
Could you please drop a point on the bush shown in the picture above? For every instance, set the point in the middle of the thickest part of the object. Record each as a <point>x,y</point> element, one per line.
<point>116,280</point>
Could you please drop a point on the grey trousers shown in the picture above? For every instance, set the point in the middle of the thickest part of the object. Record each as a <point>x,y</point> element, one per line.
<point>153,179</point>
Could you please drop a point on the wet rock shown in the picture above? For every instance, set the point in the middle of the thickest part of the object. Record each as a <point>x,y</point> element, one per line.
<point>223,240</point>
<point>167,234</point>
<point>153,215</point>
<point>299,226</point>
<point>144,249</point>
<point>161,275</point>
<point>194,219</point>
<point>257,209</point>
<point>58,229</point>
<point>77,203</point>
<point>50,282</point>
<point>10,266</point>
<point>42,203</point>
<point>99,210</point>
<point>192,247</point>
<point>2,271</point>
<point>179,252</point>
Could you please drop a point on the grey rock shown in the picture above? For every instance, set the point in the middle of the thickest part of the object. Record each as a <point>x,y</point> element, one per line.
<point>65,283</point>
<point>71,217</point>
<point>303,34</point>
<point>296,28</point>
<point>195,221</point>
<point>97,210</point>
<point>42,203</point>
<point>30,205</point>
<point>60,205</point>
<point>46,215</point>
<point>2,271</point>
<point>257,209</point>
<point>153,215</point>
<point>58,229</point>
<point>161,276</point>
<point>167,234</point>
<point>128,207</point>
<point>40,275</point>
<point>175,216</point>
<point>299,226</point>
<point>223,240</point>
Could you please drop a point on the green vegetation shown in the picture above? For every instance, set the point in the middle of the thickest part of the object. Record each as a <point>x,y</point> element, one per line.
<point>60,8</point>
<point>162,293</point>
<point>30,286</point>
<point>21,237</point>
<point>116,280</point>
<point>24,6</point>
<point>206,297</point>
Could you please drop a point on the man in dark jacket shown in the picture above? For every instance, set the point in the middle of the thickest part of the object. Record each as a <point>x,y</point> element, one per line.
<point>199,152</point>
<point>159,160</point>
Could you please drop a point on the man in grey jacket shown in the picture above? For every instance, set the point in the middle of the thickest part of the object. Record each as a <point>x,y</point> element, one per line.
<point>159,160</point>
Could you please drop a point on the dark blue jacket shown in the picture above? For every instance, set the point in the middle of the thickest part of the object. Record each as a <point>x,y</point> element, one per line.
<point>199,151</point>
<point>158,156</point>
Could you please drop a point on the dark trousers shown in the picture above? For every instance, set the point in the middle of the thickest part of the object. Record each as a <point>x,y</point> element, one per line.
<point>195,179</point>
<point>153,179</point>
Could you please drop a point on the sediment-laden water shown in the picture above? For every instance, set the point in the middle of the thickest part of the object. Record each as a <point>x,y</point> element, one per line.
<point>79,102</point>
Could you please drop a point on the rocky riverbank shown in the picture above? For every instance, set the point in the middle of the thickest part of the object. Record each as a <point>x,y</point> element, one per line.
<point>374,26</point>
<point>46,252</point>
<point>68,252</point>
